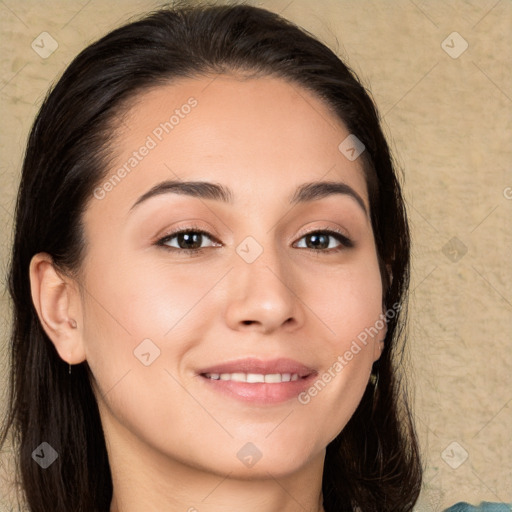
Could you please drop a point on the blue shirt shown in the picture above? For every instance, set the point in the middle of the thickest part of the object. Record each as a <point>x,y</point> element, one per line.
<point>485,506</point>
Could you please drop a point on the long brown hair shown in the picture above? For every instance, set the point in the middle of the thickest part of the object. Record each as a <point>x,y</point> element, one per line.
<point>374,462</point>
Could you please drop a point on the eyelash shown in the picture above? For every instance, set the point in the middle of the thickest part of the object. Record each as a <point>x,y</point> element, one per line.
<point>345,242</point>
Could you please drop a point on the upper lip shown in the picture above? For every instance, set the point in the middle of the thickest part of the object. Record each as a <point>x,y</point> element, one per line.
<point>253,365</point>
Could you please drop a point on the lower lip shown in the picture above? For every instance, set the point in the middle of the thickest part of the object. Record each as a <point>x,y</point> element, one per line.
<point>260,393</point>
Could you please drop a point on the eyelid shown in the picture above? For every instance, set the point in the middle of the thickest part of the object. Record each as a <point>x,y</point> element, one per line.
<point>183,227</point>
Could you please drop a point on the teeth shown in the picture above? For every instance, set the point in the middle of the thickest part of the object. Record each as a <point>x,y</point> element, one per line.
<point>271,378</point>
<point>253,377</point>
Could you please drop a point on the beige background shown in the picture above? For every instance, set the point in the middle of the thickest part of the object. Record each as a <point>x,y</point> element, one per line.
<point>449,121</point>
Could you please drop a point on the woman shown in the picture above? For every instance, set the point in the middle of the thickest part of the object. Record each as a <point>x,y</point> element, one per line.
<point>209,279</point>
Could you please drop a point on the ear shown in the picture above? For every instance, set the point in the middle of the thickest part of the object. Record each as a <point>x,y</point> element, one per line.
<point>58,305</point>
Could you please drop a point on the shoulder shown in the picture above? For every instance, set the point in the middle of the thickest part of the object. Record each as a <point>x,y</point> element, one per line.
<point>485,506</point>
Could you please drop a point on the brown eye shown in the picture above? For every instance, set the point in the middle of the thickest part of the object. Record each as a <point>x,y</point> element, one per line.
<point>187,240</point>
<point>325,240</point>
<point>317,241</point>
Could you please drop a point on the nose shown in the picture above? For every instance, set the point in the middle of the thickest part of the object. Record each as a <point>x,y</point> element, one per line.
<point>261,296</point>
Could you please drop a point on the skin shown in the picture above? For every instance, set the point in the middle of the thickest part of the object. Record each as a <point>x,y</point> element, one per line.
<point>172,441</point>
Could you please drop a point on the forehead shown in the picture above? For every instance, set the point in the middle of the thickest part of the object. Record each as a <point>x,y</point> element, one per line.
<point>263,136</point>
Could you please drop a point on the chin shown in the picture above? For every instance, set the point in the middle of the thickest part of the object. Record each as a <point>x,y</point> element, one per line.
<point>253,460</point>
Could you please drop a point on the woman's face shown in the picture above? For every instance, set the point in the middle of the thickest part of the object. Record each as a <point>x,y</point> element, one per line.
<point>273,279</point>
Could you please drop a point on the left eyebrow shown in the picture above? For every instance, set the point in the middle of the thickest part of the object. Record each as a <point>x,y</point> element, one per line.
<point>320,189</point>
<point>206,190</point>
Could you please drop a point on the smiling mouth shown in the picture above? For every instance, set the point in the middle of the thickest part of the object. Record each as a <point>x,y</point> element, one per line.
<point>258,382</point>
<point>254,378</point>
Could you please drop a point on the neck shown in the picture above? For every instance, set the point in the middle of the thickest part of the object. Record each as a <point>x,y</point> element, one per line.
<point>185,489</point>
<point>224,495</point>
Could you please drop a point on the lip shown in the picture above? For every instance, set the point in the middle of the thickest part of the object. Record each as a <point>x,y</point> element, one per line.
<point>260,393</point>
<point>253,365</point>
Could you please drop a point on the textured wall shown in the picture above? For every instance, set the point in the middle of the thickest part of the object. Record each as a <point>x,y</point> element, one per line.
<point>440,73</point>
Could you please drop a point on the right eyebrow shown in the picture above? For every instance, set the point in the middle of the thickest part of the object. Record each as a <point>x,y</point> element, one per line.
<point>200,189</point>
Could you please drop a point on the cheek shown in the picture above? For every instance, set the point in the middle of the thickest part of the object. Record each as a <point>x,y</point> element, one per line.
<point>133,308</point>
<point>348,302</point>
<point>141,300</point>
<point>350,307</point>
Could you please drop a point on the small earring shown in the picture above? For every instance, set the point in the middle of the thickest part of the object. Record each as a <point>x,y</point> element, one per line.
<point>72,323</point>
<point>374,380</point>
<point>69,369</point>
